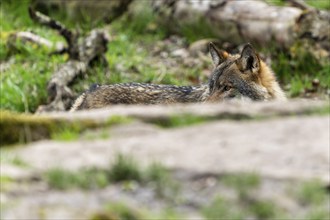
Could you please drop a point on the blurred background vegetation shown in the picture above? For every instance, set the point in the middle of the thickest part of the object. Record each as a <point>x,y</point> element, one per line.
<point>137,51</point>
<point>143,49</point>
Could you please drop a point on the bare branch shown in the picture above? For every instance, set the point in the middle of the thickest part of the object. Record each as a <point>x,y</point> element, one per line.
<point>68,35</point>
<point>26,36</point>
<point>301,4</point>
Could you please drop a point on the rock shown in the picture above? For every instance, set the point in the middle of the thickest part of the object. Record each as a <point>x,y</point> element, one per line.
<point>200,46</point>
<point>281,142</point>
<point>300,146</point>
<point>181,53</point>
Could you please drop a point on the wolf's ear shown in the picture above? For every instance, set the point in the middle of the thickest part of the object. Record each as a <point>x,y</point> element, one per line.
<point>218,56</point>
<point>249,60</point>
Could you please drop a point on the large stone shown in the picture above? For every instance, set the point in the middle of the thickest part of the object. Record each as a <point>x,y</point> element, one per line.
<point>286,148</point>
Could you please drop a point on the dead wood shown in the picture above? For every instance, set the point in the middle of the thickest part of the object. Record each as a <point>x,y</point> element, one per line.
<point>26,36</point>
<point>300,4</point>
<point>287,28</point>
<point>81,53</point>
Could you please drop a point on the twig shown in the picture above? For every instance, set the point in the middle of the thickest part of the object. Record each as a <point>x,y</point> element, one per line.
<point>26,36</point>
<point>301,4</point>
<point>68,35</point>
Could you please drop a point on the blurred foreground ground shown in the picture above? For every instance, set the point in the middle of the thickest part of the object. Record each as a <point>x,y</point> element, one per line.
<point>234,160</point>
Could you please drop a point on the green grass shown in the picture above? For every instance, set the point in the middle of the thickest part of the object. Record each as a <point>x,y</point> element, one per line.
<point>319,4</point>
<point>63,179</point>
<point>22,128</point>
<point>180,120</point>
<point>263,209</point>
<point>23,86</point>
<point>5,185</point>
<point>117,211</point>
<point>124,168</point>
<point>243,182</point>
<point>312,193</point>
<point>246,203</point>
<point>322,213</point>
<point>7,157</point>
<point>299,72</point>
<point>197,29</point>
<point>66,134</point>
<point>221,209</point>
<point>161,179</point>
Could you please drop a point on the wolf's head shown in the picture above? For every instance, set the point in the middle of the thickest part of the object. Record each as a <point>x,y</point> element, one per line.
<point>241,76</point>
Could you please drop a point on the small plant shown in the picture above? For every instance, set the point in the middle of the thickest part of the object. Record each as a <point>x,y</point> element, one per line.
<point>221,209</point>
<point>103,216</point>
<point>160,177</point>
<point>19,162</point>
<point>117,119</point>
<point>263,209</point>
<point>124,168</point>
<point>62,179</point>
<point>242,182</point>
<point>66,134</point>
<point>247,201</point>
<point>318,213</point>
<point>182,120</point>
<point>7,157</point>
<point>311,193</point>
<point>117,211</point>
<point>157,172</point>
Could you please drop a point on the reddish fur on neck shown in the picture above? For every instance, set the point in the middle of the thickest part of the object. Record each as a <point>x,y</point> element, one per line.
<point>267,78</point>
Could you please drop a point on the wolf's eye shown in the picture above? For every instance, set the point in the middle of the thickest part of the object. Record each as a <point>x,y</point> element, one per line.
<point>226,88</point>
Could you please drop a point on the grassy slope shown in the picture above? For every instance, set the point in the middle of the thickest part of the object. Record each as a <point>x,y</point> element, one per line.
<point>23,86</point>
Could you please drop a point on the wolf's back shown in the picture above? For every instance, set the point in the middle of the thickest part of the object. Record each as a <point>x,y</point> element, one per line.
<point>138,93</point>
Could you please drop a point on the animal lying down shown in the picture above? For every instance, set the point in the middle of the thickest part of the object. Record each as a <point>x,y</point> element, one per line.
<point>238,76</point>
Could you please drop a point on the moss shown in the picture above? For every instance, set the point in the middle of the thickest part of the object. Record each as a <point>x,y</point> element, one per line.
<point>117,119</point>
<point>23,127</point>
<point>180,120</point>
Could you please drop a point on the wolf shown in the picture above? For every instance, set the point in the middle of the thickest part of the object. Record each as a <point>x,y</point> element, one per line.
<point>237,76</point>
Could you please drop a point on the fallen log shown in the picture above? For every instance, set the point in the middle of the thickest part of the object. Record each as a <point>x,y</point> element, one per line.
<point>258,22</point>
<point>81,54</point>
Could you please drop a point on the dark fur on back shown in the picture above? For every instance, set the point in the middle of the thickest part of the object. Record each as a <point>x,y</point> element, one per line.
<point>141,93</point>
